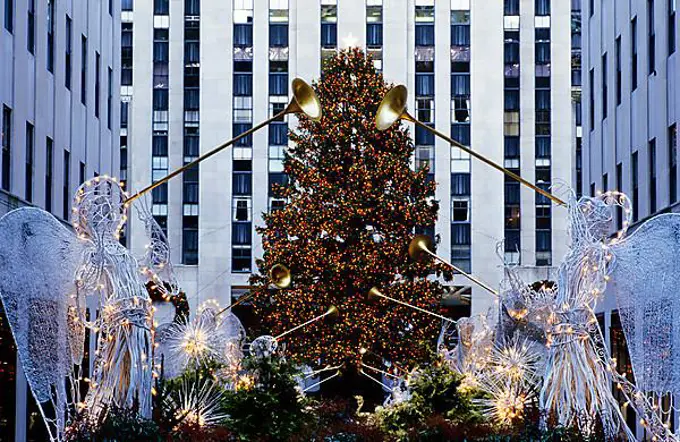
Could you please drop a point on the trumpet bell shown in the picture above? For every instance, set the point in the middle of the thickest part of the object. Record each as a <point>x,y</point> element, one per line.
<point>419,246</point>
<point>305,100</point>
<point>373,294</point>
<point>392,107</point>
<point>280,276</point>
<point>333,312</point>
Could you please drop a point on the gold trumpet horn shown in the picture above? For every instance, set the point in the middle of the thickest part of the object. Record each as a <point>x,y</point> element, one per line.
<point>304,101</point>
<point>332,312</point>
<point>421,246</point>
<point>280,276</point>
<point>393,108</point>
<point>375,293</point>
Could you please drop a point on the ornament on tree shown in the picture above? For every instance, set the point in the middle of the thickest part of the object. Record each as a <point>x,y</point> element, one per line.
<point>353,202</point>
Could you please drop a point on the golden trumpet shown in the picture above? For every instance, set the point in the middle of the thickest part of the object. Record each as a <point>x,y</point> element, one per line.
<point>421,246</point>
<point>375,293</point>
<point>280,276</point>
<point>393,108</point>
<point>332,312</point>
<point>304,101</point>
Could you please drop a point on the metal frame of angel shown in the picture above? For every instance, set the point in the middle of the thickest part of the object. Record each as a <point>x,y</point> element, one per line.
<point>50,276</point>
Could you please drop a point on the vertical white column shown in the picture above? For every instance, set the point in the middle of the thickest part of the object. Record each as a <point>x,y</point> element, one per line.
<point>487,139</point>
<point>216,174</point>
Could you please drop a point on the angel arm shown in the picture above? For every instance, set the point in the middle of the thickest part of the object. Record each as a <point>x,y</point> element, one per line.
<point>156,263</point>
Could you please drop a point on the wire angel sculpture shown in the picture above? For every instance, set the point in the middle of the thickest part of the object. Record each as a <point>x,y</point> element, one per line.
<point>577,380</point>
<point>47,277</point>
<point>645,279</point>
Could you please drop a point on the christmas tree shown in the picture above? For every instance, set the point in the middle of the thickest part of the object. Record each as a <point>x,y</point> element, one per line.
<point>353,205</point>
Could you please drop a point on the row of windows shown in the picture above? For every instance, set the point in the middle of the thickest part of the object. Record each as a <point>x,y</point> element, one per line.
<point>651,62</point>
<point>542,7</point>
<point>191,186</point>
<point>652,165</point>
<point>6,134</point>
<point>68,54</point>
<point>242,110</point>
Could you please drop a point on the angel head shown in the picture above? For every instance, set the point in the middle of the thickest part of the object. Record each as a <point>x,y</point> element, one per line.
<point>592,218</point>
<point>99,209</point>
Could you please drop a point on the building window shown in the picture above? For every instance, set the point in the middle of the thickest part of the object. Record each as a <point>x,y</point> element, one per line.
<point>9,15</point>
<point>374,24</point>
<point>161,48</point>
<point>109,98</point>
<point>618,70</point>
<point>97,83</point>
<point>241,257</point>
<point>511,7</point>
<point>591,7</point>
<point>161,7</point>
<point>673,162</point>
<point>50,35</point>
<point>543,46</point>
<point>30,31</point>
<point>633,54</point>
<point>243,35</point>
<point>66,198</point>
<point>671,26</point>
<point>6,147</point>
<point>634,179</point>
<point>49,165</point>
<point>542,7</point>
<point>329,24</point>
<point>591,103</point>
<point>278,35</point>
<point>68,53</point>
<point>425,34</point>
<point>605,90</point>
<point>652,176</point>
<point>30,143</point>
<point>83,70</point>
<point>190,240</point>
<point>511,47</point>
<point>126,54</point>
<point>651,52</point>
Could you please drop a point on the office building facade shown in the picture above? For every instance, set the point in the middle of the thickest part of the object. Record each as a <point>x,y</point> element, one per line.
<point>631,107</point>
<point>59,77</point>
<point>495,75</point>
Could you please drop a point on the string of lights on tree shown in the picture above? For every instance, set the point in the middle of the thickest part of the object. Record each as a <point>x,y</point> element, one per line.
<point>353,204</point>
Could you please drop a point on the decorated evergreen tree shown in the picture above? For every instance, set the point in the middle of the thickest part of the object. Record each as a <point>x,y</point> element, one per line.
<point>353,205</point>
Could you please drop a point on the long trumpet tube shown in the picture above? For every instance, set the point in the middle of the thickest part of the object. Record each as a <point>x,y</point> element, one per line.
<point>457,269</point>
<point>203,157</point>
<point>484,159</point>
<point>331,311</point>
<point>375,292</point>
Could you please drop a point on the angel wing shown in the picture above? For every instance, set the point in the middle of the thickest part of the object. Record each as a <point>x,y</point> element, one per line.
<point>646,281</point>
<point>38,261</point>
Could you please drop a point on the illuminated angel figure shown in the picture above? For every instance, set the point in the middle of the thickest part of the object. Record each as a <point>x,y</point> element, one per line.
<point>579,371</point>
<point>48,278</point>
<point>122,374</point>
